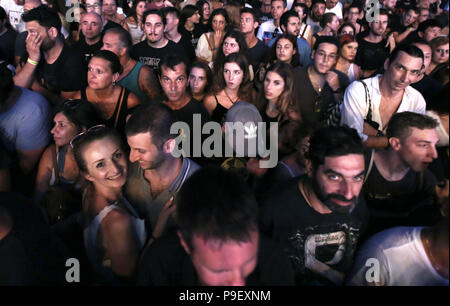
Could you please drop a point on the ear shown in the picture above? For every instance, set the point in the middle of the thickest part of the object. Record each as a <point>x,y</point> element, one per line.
<point>169,145</point>
<point>255,25</point>
<point>53,32</point>
<point>183,243</point>
<point>395,143</point>
<point>309,167</point>
<point>420,34</point>
<point>116,77</point>
<point>88,177</point>
<point>283,28</point>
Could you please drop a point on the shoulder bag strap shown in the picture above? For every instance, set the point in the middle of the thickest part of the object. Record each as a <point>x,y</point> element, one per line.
<point>368,100</point>
<point>121,98</point>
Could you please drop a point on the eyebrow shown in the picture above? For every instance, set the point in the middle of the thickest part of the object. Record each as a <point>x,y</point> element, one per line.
<point>414,70</point>
<point>331,171</point>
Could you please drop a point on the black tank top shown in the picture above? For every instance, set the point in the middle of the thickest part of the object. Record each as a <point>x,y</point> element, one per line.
<point>219,112</point>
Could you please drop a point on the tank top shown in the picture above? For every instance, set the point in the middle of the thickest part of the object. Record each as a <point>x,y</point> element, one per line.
<point>131,82</point>
<point>219,112</point>
<point>60,162</point>
<point>351,73</point>
<point>135,32</point>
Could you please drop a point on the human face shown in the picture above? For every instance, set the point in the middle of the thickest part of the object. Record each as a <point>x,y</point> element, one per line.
<point>91,26</point>
<point>348,51</point>
<point>347,30</point>
<point>93,6</point>
<point>338,182</point>
<point>379,27</point>
<point>301,13</point>
<point>353,15</point>
<point>171,23</point>
<point>273,86</point>
<point>100,75</point>
<point>424,15</point>
<point>266,6</point>
<point>223,263</point>
<point>431,33</point>
<point>427,54</point>
<point>109,7</point>
<point>174,82</point>
<point>324,57</point>
<point>154,28</point>
<point>197,80</point>
<point>112,43</point>
<point>206,11</point>
<point>106,163</point>
<point>229,46</point>
<point>318,10</point>
<point>330,4</point>
<point>334,24</point>
<point>64,130</point>
<point>409,18</point>
<point>440,54</point>
<point>233,75</point>
<point>34,29</point>
<point>389,4</point>
<point>194,18</point>
<point>140,8</point>
<point>277,9</point>
<point>144,151</point>
<point>285,50</point>
<point>403,71</point>
<point>248,24</point>
<point>419,149</point>
<point>293,26</point>
<point>219,23</point>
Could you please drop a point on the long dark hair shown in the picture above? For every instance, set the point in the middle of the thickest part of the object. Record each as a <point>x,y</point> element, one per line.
<point>272,54</point>
<point>240,39</point>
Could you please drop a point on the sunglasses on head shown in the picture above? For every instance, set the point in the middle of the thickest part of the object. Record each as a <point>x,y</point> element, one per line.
<point>94,128</point>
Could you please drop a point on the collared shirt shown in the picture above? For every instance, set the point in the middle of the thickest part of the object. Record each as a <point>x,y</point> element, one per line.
<point>354,109</point>
<point>138,191</point>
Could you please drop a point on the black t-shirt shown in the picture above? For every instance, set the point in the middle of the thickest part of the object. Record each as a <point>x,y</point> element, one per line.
<point>87,51</point>
<point>109,25</point>
<point>195,34</point>
<point>165,263</point>
<point>7,43</point>
<point>313,107</point>
<point>371,56</point>
<point>256,54</point>
<point>321,246</point>
<point>65,74</point>
<point>185,44</point>
<point>150,56</point>
<point>428,87</point>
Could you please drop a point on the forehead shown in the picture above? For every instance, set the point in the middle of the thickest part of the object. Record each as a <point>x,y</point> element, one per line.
<point>353,10</point>
<point>277,3</point>
<point>218,17</point>
<point>408,61</point>
<point>247,15</point>
<point>34,25</point>
<point>424,48</point>
<point>153,18</point>
<point>231,66</point>
<point>111,37</point>
<point>90,17</point>
<point>99,62</point>
<point>351,164</point>
<point>92,2</point>
<point>230,39</point>
<point>178,70</point>
<point>109,1</point>
<point>61,117</point>
<point>100,149</point>
<point>428,135</point>
<point>294,19</point>
<point>274,75</point>
<point>141,140</point>
<point>198,71</point>
<point>444,46</point>
<point>327,47</point>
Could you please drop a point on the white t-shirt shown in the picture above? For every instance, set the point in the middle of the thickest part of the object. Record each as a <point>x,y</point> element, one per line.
<point>14,12</point>
<point>266,30</point>
<point>337,10</point>
<point>401,257</point>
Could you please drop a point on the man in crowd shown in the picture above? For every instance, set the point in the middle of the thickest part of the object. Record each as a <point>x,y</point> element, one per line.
<point>156,45</point>
<point>91,42</point>
<point>369,105</point>
<point>271,28</point>
<point>322,85</point>
<point>334,6</point>
<point>318,218</point>
<point>317,10</point>
<point>218,239</point>
<point>407,24</point>
<point>156,175</point>
<point>57,74</point>
<point>137,77</point>
<point>256,48</point>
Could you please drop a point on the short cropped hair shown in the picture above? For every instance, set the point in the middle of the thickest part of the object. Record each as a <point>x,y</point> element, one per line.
<point>333,142</point>
<point>154,12</point>
<point>172,60</point>
<point>400,124</point>
<point>411,50</point>
<point>123,36</point>
<point>429,23</point>
<point>225,209</point>
<point>284,20</point>
<point>326,39</point>
<point>45,16</point>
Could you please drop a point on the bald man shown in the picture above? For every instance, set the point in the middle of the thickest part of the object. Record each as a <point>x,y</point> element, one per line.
<point>91,41</point>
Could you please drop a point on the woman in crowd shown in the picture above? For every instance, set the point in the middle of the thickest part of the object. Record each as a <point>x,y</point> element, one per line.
<point>233,42</point>
<point>234,13</point>
<point>113,234</point>
<point>134,21</point>
<point>347,53</point>
<point>204,9</point>
<point>190,24</point>
<point>439,61</point>
<point>57,163</point>
<point>200,80</point>
<point>275,102</point>
<point>209,43</point>
<point>330,26</point>
<point>111,100</point>
<point>232,85</point>
<point>346,28</point>
<point>305,29</point>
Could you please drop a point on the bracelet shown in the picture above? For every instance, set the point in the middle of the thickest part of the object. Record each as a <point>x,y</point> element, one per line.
<point>30,61</point>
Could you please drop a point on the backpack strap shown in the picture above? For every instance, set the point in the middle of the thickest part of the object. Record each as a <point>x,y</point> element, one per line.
<point>368,100</point>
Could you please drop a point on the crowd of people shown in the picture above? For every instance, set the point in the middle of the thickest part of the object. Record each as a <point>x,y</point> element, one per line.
<point>326,161</point>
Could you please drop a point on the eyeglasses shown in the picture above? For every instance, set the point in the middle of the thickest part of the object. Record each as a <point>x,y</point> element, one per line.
<point>94,128</point>
<point>71,104</point>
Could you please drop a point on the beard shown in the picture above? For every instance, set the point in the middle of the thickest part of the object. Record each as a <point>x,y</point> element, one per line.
<point>48,44</point>
<point>327,199</point>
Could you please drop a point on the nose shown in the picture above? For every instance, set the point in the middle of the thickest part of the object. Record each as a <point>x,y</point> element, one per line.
<point>433,152</point>
<point>346,190</point>
<point>173,86</point>
<point>116,168</point>
<point>53,130</point>
<point>133,156</point>
<point>236,279</point>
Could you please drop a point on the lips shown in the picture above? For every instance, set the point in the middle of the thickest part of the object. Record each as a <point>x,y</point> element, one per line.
<point>113,178</point>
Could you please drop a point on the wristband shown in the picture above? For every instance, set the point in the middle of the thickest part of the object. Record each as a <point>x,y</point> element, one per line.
<point>30,61</point>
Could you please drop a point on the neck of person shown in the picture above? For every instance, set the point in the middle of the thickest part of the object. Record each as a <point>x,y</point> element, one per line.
<point>92,41</point>
<point>159,44</point>
<point>386,89</point>
<point>276,22</point>
<point>373,38</point>
<point>327,32</point>
<point>104,93</point>
<point>180,103</point>
<point>311,198</point>
<point>52,55</point>
<point>189,26</point>
<point>198,96</point>
<point>343,62</point>
<point>173,35</point>
<point>167,171</point>
<point>390,165</point>
<point>232,93</point>
<point>127,63</point>
<point>431,67</point>
<point>109,193</point>
<point>436,245</point>
<point>315,76</point>
<point>251,39</point>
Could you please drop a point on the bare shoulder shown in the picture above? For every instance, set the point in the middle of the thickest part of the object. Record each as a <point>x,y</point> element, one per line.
<point>210,103</point>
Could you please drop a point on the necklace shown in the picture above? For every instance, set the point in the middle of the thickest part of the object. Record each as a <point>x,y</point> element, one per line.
<point>232,102</point>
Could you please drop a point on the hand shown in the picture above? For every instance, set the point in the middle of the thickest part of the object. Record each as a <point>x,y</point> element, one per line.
<point>33,44</point>
<point>333,80</point>
<point>369,130</point>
